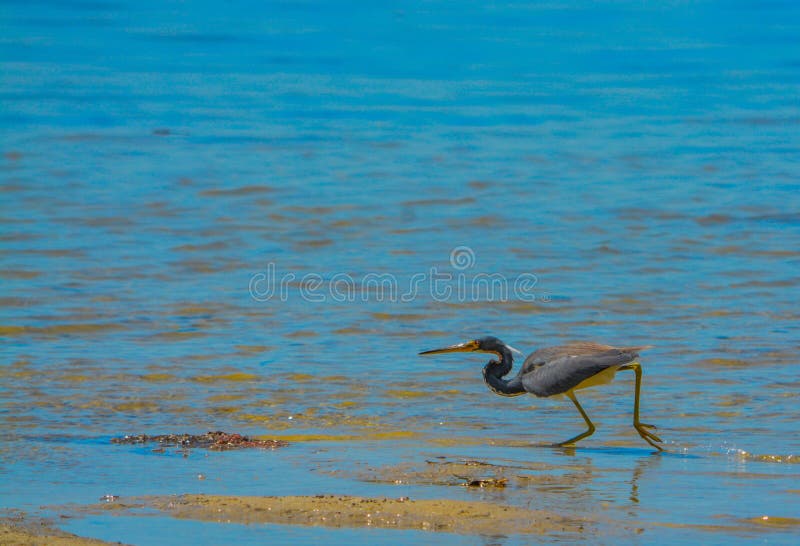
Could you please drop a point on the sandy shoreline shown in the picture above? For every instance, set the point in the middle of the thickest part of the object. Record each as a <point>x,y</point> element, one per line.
<point>462,517</point>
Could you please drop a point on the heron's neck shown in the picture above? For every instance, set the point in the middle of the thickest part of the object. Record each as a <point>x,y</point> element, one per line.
<point>495,371</point>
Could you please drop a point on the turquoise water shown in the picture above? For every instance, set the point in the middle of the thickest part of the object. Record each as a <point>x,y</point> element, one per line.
<point>195,201</point>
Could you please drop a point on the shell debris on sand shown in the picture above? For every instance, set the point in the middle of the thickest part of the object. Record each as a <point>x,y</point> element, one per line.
<point>218,441</point>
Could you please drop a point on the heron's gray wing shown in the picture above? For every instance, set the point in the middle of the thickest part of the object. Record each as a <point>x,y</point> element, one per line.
<point>567,372</point>
<point>575,348</point>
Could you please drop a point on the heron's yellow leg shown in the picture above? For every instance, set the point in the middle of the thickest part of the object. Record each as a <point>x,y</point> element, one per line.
<point>640,427</point>
<point>583,435</point>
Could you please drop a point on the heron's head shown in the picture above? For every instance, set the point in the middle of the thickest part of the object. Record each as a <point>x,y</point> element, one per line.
<point>488,344</point>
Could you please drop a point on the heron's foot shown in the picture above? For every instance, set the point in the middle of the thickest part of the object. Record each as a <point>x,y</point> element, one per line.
<point>648,436</point>
<point>571,441</point>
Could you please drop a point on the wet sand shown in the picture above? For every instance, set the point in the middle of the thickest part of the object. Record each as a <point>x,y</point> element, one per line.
<point>453,516</point>
<point>21,531</point>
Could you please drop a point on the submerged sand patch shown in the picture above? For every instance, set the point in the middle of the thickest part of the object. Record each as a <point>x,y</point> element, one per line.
<point>469,473</point>
<point>464,517</point>
<point>24,532</point>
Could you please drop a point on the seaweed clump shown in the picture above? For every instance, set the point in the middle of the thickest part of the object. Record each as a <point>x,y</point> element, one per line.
<point>215,441</point>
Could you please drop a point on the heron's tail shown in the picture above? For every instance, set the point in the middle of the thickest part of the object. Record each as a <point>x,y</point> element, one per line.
<point>636,350</point>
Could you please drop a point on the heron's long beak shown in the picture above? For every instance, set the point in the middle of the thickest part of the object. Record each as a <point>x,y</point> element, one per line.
<point>466,347</point>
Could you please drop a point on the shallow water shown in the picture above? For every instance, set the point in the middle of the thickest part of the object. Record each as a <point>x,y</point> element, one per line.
<point>252,219</point>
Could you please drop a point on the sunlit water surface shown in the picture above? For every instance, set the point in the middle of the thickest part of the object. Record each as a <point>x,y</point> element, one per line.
<point>193,198</point>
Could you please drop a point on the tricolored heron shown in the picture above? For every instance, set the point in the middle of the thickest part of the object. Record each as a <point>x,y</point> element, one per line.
<point>559,370</point>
